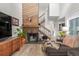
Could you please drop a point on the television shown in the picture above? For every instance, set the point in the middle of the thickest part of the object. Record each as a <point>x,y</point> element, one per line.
<point>5,25</point>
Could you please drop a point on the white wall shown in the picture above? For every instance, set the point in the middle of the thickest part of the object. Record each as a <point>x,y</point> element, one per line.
<point>64,8</point>
<point>74,11</point>
<point>42,8</point>
<point>12,9</point>
<point>53,9</point>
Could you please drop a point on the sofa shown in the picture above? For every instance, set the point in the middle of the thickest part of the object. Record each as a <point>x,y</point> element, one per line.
<point>69,43</point>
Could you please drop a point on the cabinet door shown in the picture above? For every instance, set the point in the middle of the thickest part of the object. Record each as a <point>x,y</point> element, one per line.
<point>5,49</point>
<point>15,45</point>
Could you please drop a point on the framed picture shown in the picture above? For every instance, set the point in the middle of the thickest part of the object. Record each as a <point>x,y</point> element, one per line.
<point>15,21</point>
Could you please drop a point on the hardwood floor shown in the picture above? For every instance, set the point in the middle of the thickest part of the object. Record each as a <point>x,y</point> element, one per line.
<point>30,50</point>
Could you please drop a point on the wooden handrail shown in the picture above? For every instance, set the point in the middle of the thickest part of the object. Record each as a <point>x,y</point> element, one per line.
<point>45,28</point>
<point>42,22</point>
<point>42,15</point>
<point>45,34</point>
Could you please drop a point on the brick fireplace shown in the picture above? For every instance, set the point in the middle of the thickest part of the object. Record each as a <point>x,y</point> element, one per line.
<point>31,27</point>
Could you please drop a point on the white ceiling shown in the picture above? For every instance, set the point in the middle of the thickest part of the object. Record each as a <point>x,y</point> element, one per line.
<point>73,8</point>
<point>42,7</point>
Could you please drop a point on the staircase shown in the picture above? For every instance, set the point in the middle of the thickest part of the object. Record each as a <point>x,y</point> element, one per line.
<point>43,30</point>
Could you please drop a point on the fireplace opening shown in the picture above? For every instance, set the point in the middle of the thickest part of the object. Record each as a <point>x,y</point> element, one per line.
<point>32,37</point>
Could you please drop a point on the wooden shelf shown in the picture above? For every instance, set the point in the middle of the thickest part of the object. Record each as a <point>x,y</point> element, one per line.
<point>31,26</point>
<point>31,29</point>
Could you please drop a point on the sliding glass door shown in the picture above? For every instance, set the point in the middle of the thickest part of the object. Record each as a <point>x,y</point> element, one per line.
<point>74,23</point>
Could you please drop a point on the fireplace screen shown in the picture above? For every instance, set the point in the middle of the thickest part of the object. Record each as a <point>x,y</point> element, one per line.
<point>32,37</point>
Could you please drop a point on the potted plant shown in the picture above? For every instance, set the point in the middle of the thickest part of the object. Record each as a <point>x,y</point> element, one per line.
<point>21,34</point>
<point>61,35</point>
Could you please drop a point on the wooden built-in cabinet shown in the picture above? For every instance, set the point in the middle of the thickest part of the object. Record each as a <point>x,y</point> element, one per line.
<point>5,49</point>
<point>9,46</point>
